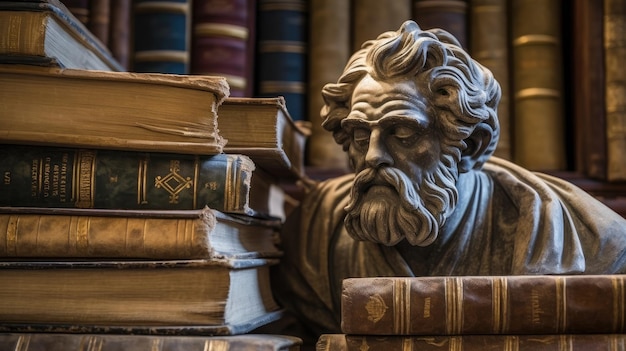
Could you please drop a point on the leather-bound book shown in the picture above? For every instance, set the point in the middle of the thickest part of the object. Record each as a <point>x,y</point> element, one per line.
<point>450,15</point>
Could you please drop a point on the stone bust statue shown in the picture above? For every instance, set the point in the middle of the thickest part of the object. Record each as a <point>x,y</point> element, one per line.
<point>417,117</point>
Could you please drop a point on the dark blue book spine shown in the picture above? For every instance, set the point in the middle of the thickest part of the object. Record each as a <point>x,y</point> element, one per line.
<point>282,53</point>
<point>161,36</point>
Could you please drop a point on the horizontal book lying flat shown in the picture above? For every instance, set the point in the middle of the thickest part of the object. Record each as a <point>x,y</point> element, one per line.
<point>111,110</point>
<point>263,129</point>
<point>524,304</point>
<point>135,234</point>
<point>104,342</point>
<point>217,297</point>
<point>46,176</point>
<point>45,32</point>
<point>552,342</point>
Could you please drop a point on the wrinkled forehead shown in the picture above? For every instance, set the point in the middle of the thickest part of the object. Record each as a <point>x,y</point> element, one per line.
<point>375,101</point>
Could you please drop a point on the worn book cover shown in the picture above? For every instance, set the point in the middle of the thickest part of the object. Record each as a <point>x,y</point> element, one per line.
<point>111,110</point>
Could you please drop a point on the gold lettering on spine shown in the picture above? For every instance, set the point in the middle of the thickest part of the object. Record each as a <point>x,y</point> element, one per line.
<point>142,188</point>
<point>401,305</point>
<point>94,343</point>
<point>453,287</point>
<point>86,178</point>
<point>561,302</point>
<point>407,344</point>
<point>618,303</point>
<point>12,236</point>
<point>229,184</point>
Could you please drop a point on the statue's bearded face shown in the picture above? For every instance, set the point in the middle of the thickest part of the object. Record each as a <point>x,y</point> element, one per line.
<point>403,189</point>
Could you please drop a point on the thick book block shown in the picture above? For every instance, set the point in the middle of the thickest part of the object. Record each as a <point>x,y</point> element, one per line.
<point>45,32</point>
<point>553,342</point>
<point>263,129</point>
<point>162,36</point>
<point>484,305</point>
<point>112,110</point>
<point>103,342</point>
<point>130,234</point>
<point>202,297</point>
<point>46,176</point>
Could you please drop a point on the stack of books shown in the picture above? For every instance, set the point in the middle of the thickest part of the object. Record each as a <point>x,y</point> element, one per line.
<point>478,313</point>
<point>127,209</point>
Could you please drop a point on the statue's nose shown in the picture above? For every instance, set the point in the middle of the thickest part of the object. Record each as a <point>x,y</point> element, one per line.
<point>377,153</point>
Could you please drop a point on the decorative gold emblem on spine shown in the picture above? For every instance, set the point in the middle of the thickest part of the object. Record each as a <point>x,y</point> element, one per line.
<point>85,172</point>
<point>376,308</point>
<point>173,182</point>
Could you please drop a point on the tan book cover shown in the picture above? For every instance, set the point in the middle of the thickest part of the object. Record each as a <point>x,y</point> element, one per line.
<point>112,110</point>
<point>329,43</point>
<point>488,41</point>
<point>537,84</point>
<point>45,32</point>
<point>202,297</point>
<point>615,56</point>
<point>263,129</point>
<point>134,234</point>
<point>109,342</point>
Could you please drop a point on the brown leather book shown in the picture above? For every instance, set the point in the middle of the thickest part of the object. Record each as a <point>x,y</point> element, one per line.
<point>533,304</point>
<point>552,342</point>
<point>587,88</point>
<point>220,42</point>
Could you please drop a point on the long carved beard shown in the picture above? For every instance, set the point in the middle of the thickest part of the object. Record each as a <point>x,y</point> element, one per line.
<point>386,206</point>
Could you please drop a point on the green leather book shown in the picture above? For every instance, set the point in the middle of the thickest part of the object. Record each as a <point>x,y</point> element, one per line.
<point>45,176</point>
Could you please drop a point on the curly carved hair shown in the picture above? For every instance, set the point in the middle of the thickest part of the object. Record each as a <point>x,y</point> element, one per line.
<point>411,51</point>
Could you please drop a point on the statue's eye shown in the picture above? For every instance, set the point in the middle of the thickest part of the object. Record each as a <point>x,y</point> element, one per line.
<point>361,136</point>
<point>406,135</point>
<point>443,92</point>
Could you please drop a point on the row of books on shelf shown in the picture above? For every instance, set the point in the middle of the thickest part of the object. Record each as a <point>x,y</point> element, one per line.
<point>140,204</point>
<point>527,312</point>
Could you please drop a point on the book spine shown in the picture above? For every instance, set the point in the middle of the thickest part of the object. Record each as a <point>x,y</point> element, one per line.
<point>282,53</point>
<point>370,18</point>
<point>488,42</point>
<point>329,43</point>
<point>615,56</point>
<point>74,236</point>
<point>220,36</point>
<point>506,305</point>
<point>449,15</point>
<point>109,179</point>
<point>563,342</point>
<point>120,31</point>
<point>587,88</point>
<point>161,36</point>
<point>99,19</point>
<point>537,75</point>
